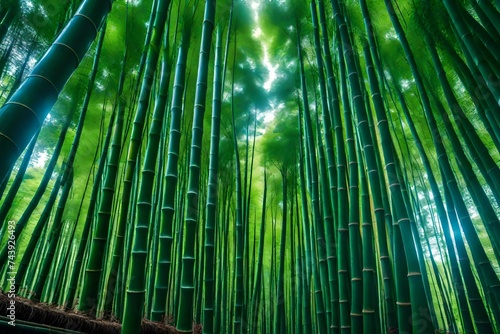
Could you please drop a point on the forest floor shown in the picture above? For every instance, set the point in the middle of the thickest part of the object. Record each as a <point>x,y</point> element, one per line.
<point>29,314</point>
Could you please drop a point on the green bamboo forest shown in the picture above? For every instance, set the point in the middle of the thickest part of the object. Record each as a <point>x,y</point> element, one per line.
<point>250,166</point>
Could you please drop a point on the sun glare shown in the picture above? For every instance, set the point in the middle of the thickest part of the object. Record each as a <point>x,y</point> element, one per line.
<point>257,32</point>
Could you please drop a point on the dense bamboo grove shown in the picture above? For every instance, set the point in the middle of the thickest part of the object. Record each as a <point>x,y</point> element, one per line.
<point>253,166</point>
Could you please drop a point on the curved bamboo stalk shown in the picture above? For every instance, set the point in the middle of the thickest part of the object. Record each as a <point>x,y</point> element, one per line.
<point>23,114</point>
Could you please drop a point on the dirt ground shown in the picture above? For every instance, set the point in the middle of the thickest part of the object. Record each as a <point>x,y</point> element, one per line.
<point>52,315</point>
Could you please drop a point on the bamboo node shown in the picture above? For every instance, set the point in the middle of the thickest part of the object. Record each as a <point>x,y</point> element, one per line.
<point>136,291</point>
<point>46,79</point>
<point>88,18</point>
<point>32,111</point>
<point>9,139</point>
<point>71,49</point>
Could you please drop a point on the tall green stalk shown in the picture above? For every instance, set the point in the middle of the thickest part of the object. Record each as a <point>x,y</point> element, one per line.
<point>212,195</point>
<point>328,176</point>
<point>53,238</point>
<point>171,179</point>
<point>184,321</point>
<point>75,273</point>
<point>321,278</point>
<point>135,274</point>
<point>257,287</point>
<point>239,238</point>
